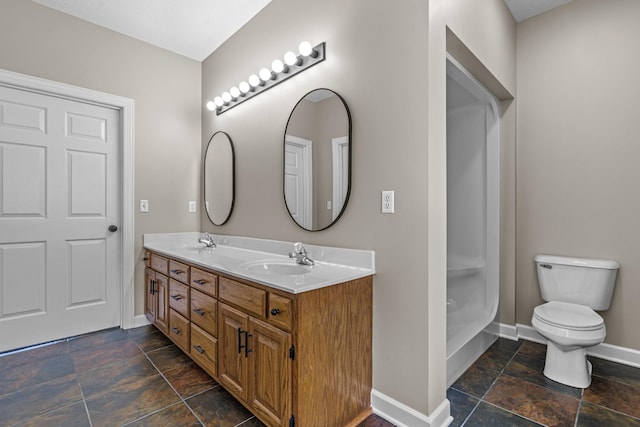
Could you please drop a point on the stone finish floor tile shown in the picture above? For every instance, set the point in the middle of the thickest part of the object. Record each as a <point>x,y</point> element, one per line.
<point>91,358</point>
<point>168,358</point>
<point>74,415</point>
<point>531,369</point>
<point>217,408</point>
<point>615,371</point>
<point>533,349</point>
<point>531,401</point>
<point>487,415</point>
<point>372,420</point>
<point>153,341</point>
<point>177,415</point>
<point>27,356</point>
<point>97,339</point>
<point>614,395</point>
<point>35,373</point>
<point>494,358</point>
<point>475,381</point>
<point>597,416</point>
<point>461,406</point>
<point>116,374</point>
<point>127,403</point>
<point>189,380</point>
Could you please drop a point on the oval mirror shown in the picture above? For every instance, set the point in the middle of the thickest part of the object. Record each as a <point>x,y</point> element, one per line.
<point>219,178</point>
<point>317,160</point>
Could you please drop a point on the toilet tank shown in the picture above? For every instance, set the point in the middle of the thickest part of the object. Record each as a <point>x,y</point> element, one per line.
<point>582,281</point>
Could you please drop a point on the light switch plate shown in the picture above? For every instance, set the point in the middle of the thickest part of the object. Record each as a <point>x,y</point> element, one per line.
<point>144,206</point>
<point>192,206</point>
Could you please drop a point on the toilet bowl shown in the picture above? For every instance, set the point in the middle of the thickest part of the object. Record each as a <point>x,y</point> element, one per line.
<point>573,289</point>
<point>569,329</point>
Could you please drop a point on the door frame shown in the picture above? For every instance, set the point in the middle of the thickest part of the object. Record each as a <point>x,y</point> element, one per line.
<point>126,107</point>
<point>339,159</point>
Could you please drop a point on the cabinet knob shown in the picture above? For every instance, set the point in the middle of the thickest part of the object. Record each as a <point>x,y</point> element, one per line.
<point>275,311</point>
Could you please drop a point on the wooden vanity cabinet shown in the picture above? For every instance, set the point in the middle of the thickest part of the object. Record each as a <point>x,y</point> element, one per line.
<point>157,293</point>
<point>292,359</point>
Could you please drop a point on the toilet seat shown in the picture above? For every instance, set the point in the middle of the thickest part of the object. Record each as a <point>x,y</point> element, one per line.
<point>568,316</point>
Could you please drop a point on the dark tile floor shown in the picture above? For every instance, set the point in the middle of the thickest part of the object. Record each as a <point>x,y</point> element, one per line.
<point>506,387</point>
<point>116,378</point>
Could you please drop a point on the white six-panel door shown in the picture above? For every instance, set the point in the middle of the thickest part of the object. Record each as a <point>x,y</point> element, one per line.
<point>59,193</point>
<point>298,181</point>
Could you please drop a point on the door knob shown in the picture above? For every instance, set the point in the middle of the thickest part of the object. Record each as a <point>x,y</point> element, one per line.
<point>113,228</point>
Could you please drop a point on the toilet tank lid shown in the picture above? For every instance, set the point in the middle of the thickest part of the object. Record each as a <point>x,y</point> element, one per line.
<point>577,262</point>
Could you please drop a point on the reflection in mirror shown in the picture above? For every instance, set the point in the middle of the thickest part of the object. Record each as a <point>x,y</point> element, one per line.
<point>317,160</point>
<point>219,180</point>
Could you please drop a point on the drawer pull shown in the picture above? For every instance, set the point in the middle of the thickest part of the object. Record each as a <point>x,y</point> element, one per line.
<point>275,311</point>
<point>178,272</point>
<point>177,297</point>
<point>176,331</point>
<point>199,349</point>
<point>247,350</point>
<point>200,282</point>
<point>199,311</point>
<point>146,259</point>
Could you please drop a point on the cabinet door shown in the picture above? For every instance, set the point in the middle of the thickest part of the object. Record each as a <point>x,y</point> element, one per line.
<point>269,372</point>
<point>162,304</point>
<point>232,354</point>
<point>149,295</point>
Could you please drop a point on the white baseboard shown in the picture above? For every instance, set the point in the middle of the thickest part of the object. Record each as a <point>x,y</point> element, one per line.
<point>140,320</point>
<point>613,353</point>
<point>401,415</point>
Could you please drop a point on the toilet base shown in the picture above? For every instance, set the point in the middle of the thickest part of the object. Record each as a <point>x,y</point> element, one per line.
<point>569,367</point>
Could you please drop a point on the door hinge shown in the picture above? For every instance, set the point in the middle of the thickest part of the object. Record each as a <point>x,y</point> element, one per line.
<point>292,421</point>
<point>292,353</point>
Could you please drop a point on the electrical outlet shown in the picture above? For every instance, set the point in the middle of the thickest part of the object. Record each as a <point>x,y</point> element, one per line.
<point>144,206</point>
<point>388,202</point>
<point>192,206</point>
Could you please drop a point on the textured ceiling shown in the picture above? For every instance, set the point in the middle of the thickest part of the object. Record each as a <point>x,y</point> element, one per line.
<point>523,9</point>
<point>193,28</point>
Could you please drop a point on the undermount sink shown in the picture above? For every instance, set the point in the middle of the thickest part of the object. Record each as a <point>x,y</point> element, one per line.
<point>279,268</point>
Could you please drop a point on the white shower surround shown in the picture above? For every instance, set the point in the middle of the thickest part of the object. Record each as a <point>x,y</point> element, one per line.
<point>473,217</point>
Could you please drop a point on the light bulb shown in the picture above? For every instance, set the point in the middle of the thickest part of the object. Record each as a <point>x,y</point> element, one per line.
<point>226,97</point>
<point>244,87</point>
<point>291,58</point>
<point>277,66</point>
<point>305,48</point>
<point>254,80</point>
<point>211,106</point>
<point>218,101</point>
<point>265,74</point>
<point>235,92</point>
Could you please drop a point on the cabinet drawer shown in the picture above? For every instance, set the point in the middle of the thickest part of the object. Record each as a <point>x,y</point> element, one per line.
<point>179,271</point>
<point>280,312</point>
<point>204,311</point>
<point>179,330</point>
<point>160,263</point>
<point>251,300</point>
<point>204,350</point>
<point>179,297</point>
<point>203,281</point>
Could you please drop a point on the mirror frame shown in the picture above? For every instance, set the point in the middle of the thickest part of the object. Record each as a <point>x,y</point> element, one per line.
<point>233,178</point>
<point>349,163</point>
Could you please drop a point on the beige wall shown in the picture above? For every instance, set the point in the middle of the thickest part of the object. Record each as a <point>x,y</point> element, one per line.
<point>377,60</point>
<point>38,41</point>
<point>578,150</point>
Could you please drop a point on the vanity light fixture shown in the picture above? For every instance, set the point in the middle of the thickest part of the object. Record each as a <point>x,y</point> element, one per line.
<point>266,78</point>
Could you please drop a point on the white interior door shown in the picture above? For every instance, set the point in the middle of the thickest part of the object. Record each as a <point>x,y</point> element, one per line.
<point>60,266</point>
<point>298,179</point>
<point>340,154</point>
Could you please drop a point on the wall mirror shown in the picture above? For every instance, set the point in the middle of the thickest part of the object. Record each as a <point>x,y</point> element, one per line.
<point>317,160</point>
<point>219,178</point>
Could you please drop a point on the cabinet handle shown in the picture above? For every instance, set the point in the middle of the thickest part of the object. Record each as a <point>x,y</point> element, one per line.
<point>152,288</point>
<point>176,331</point>
<point>177,272</point>
<point>199,311</point>
<point>200,282</point>
<point>275,311</point>
<point>145,259</point>
<point>177,297</point>
<point>247,350</point>
<point>240,346</point>
<point>199,349</point>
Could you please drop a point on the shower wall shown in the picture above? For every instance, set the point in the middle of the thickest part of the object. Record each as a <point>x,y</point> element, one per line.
<point>473,211</point>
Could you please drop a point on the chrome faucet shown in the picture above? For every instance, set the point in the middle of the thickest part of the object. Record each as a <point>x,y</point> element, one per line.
<point>300,254</point>
<point>207,240</point>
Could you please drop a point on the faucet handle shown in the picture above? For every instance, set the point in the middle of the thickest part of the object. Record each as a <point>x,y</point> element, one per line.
<point>299,248</point>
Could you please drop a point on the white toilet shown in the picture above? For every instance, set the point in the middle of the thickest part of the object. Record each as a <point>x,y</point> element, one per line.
<point>574,288</point>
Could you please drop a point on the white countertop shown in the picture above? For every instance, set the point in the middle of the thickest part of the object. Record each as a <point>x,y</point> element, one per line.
<point>238,256</point>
